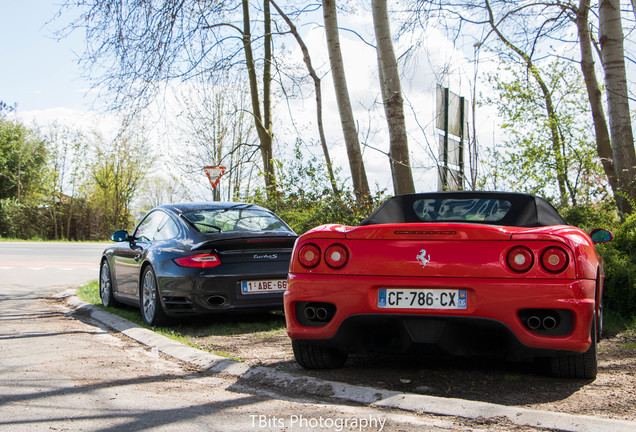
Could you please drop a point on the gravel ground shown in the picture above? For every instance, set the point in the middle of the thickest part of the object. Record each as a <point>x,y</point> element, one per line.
<point>611,395</point>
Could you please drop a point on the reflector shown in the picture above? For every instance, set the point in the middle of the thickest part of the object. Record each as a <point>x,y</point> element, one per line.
<point>336,256</point>
<point>554,259</point>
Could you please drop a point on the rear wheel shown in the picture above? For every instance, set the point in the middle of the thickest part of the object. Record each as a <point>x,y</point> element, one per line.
<point>106,285</point>
<point>150,304</point>
<point>312,356</point>
<point>582,366</point>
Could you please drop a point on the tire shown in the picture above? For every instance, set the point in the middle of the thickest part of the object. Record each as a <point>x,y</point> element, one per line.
<point>312,356</point>
<point>600,319</point>
<point>580,366</point>
<point>149,301</point>
<point>106,285</point>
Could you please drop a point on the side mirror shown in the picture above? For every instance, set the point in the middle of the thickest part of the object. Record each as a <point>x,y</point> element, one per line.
<point>120,236</point>
<point>601,235</point>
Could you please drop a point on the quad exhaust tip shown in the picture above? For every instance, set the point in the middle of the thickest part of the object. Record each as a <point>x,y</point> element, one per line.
<point>547,322</point>
<point>318,312</point>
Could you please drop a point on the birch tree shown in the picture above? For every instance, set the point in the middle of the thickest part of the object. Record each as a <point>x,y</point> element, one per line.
<point>613,60</point>
<point>392,100</point>
<point>356,164</point>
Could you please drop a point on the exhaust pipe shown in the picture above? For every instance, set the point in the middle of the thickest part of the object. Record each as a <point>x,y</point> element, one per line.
<point>310,313</point>
<point>549,323</point>
<point>217,300</point>
<point>534,322</point>
<point>321,313</point>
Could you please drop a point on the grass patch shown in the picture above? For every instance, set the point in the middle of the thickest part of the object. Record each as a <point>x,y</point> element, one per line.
<point>614,324</point>
<point>89,292</point>
<point>262,325</point>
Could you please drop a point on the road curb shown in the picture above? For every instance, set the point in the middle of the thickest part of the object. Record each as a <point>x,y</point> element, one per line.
<point>350,393</point>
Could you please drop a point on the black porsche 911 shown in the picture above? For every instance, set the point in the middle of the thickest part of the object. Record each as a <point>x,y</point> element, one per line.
<point>195,259</point>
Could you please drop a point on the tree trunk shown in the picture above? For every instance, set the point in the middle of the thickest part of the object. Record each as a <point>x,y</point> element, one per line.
<point>603,142</point>
<point>392,101</point>
<point>613,59</point>
<point>264,133</point>
<point>356,164</point>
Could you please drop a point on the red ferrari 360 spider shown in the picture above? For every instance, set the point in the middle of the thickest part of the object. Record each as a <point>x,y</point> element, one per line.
<point>462,273</point>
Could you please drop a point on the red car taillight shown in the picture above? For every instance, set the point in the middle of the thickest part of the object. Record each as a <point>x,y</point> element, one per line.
<point>309,255</point>
<point>520,259</point>
<point>336,256</point>
<point>554,259</point>
<point>201,261</point>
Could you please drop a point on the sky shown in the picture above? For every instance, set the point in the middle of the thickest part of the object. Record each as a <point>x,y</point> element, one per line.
<point>38,72</point>
<point>42,76</point>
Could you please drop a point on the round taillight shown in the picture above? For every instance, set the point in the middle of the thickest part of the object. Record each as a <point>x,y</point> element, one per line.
<point>336,256</point>
<point>554,259</point>
<point>309,255</point>
<point>520,259</point>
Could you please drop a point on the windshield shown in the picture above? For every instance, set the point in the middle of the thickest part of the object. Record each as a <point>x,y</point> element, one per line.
<point>236,219</point>
<point>461,210</point>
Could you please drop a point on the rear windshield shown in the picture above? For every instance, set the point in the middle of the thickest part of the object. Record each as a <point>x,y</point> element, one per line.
<point>461,210</point>
<point>236,219</point>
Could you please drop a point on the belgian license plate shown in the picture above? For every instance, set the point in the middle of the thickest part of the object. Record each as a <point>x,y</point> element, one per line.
<point>401,298</point>
<point>263,286</point>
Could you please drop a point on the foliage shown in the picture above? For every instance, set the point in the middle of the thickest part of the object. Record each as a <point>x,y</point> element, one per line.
<point>306,199</point>
<point>32,220</point>
<point>35,172</point>
<point>620,268</point>
<point>22,161</point>
<point>528,161</point>
<point>116,174</point>
<point>619,255</point>
<point>20,220</point>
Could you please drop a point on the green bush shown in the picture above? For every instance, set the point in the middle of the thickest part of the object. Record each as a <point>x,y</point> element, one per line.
<point>21,221</point>
<point>306,199</point>
<point>620,269</point>
<point>619,255</point>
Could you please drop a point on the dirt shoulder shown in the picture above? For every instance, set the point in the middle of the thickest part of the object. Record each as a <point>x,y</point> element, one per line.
<point>611,395</point>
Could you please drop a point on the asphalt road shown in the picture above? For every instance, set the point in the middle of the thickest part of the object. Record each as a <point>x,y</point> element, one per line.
<point>60,373</point>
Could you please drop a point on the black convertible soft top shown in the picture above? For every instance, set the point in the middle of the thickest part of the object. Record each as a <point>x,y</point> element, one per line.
<point>494,208</point>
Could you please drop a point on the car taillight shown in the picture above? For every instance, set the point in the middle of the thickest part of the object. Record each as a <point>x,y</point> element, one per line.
<point>520,259</point>
<point>336,256</point>
<point>554,259</point>
<point>309,255</point>
<point>200,261</point>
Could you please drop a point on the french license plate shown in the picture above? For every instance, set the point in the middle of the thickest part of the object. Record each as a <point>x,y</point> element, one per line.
<point>401,298</point>
<point>263,286</point>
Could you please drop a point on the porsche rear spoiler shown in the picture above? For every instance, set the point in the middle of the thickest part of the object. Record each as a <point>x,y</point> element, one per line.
<point>248,241</point>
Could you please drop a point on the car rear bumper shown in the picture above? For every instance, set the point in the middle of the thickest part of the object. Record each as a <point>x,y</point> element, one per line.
<point>496,311</point>
<point>200,294</point>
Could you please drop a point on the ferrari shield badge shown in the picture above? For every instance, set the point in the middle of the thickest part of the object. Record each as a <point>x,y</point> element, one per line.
<point>423,258</point>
